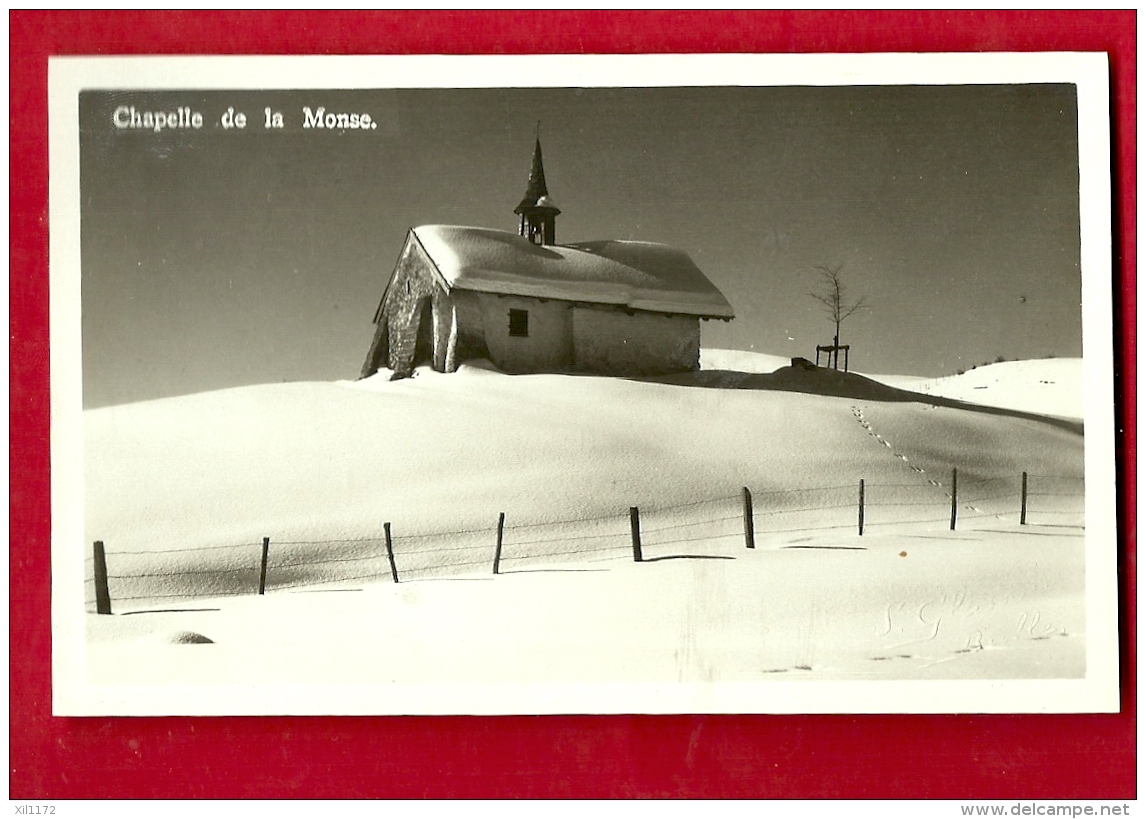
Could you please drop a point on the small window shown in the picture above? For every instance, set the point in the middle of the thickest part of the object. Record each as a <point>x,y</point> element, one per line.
<point>519,323</point>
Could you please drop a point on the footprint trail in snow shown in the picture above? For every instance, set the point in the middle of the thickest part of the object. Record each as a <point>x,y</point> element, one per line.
<point>857,411</point>
<point>863,422</point>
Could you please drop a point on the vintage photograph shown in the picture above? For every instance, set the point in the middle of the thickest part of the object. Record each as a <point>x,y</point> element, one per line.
<point>556,385</point>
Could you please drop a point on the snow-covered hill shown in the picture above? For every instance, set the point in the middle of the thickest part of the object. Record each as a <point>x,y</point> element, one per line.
<point>1051,386</point>
<point>329,460</point>
<point>183,490</point>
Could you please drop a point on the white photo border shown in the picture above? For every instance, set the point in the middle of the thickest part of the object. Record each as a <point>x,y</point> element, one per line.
<point>1098,691</point>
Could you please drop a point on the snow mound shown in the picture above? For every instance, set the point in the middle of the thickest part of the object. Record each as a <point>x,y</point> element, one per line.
<point>743,361</point>
<point>186,638</point>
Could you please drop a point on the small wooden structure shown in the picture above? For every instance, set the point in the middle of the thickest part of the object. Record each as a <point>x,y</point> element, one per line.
<point>833,351</point>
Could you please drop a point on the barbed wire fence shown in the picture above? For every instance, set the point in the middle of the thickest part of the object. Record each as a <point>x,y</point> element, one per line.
<point>647,533</point>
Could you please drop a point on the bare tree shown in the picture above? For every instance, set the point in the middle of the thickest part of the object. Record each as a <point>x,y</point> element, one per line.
<point>831,294</point>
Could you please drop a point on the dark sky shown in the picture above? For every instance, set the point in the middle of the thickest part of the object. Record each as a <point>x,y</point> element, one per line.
<point>214,258</point>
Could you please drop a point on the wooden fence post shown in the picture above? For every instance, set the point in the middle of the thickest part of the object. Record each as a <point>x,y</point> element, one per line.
<point>635,523</point>
<point>749,523</point>
<point>103,597</point>
<point>861,508</point>
<point>497,551</point>
<point>390,553</point>
<point>1023,506</point>
<point>954,496</point>
<point>263,567</point>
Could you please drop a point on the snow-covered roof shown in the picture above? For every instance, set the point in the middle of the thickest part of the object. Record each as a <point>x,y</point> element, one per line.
<point>639,275</point>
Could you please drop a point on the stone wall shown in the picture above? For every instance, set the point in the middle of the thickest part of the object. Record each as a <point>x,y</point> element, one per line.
<point>379,350</point>
<point>547,348</point>
<point>413,299</point>
<point>614,342</point>
<point>469,342</point>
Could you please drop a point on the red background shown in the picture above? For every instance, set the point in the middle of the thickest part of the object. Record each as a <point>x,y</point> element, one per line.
<point>953,757</point>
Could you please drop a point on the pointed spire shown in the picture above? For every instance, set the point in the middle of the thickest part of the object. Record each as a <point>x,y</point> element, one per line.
<point>537,211</point>
<point>536,188</point>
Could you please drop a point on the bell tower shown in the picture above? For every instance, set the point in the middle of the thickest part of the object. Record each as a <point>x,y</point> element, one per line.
<point>538,212</point>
